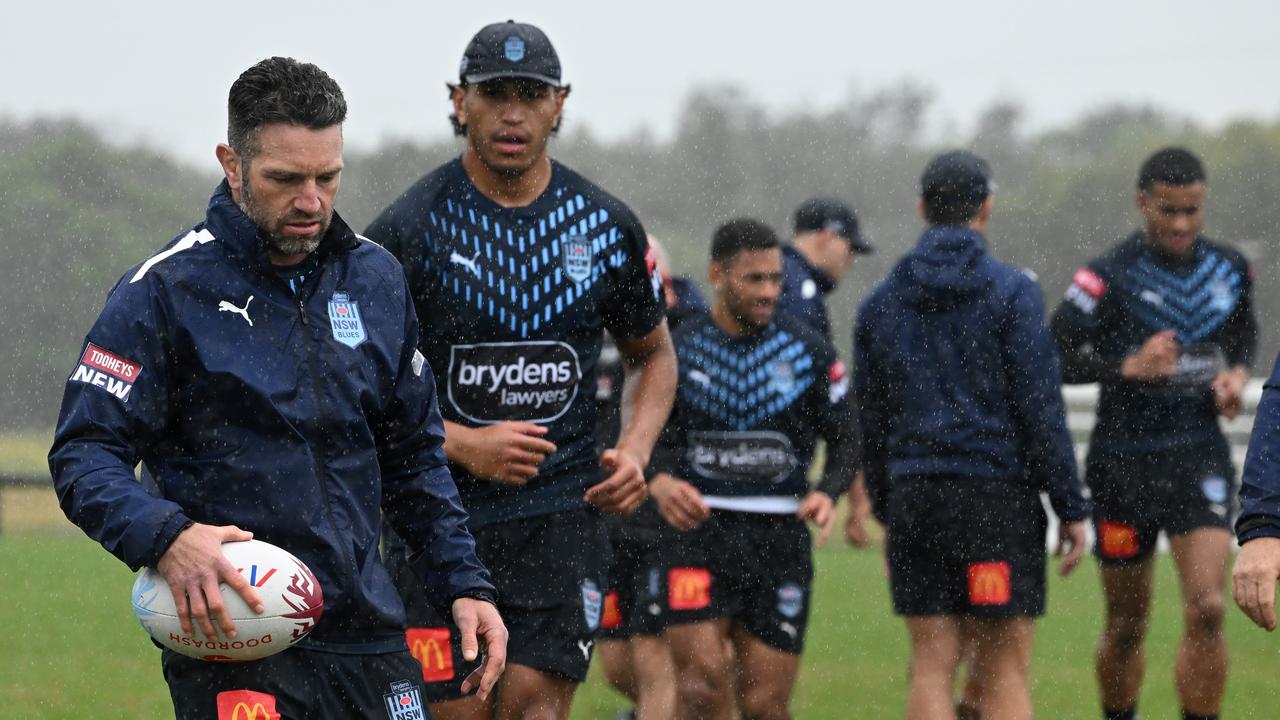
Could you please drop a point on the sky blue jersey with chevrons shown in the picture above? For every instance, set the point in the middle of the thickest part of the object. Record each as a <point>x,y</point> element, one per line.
<point>514,302</point>
<point>1119,300</point>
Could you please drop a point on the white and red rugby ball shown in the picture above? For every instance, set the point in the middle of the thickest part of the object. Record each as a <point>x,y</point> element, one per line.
<point>288,589</point>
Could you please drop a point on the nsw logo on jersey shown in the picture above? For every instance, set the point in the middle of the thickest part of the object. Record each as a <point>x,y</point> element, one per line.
<point>344,318</point>
<point>532,381</point>
<point>746,455</point>
<point>104,369</point>
<point>578,257</point>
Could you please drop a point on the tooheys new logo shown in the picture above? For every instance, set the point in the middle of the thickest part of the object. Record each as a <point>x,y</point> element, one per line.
<point>531,381</point>
<point>750,456</point>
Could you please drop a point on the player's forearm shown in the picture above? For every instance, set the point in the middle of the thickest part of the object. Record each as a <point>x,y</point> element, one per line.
<point>457,442</point>
<point>647,396</point>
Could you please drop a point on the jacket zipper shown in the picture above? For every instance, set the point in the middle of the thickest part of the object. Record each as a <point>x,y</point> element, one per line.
<point>321,408</point>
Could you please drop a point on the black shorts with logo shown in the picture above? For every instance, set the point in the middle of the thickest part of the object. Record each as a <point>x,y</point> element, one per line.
<point>550,572</point>
<point>966,547</point>
<point>1137,496</point>
<point>296,684</point>
<point>755,568</point>
<point>633,602</point>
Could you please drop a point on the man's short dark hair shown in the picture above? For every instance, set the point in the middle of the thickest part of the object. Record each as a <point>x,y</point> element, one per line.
<point>953,187</point>
<point>280,90</point>
<point>741,235</point>
<point>1171,166</point>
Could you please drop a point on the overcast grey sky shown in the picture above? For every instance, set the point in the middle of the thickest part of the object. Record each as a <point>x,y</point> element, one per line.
<point>159,71</point>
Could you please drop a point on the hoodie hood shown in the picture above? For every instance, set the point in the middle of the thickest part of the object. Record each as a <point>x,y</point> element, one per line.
<point>947,267</point>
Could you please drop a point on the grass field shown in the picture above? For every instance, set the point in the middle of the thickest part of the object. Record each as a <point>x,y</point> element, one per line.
<point>73,650</point>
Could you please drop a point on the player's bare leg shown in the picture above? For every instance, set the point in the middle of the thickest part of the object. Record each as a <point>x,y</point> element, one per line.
<point>703,669</point>
<point>971,695</point>
<point>1201,557</point>
<point>935,653</point>
<point>655,677</point>
<point>1003,664</point>
<point>467,708</point>
<point>1120,659</point>
<point>616,662</point>
<point>766,677</point>
<point>528,694</point>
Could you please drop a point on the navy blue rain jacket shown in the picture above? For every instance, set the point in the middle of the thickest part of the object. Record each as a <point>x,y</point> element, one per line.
<point>1260,487</point>
<point>296,418</point>
<point>957,375</point>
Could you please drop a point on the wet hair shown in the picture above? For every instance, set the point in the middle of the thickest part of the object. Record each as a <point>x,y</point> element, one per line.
<point>1171,166</point>
<point>460,129</point>
<point>741,235</point>
<point>280,90</point>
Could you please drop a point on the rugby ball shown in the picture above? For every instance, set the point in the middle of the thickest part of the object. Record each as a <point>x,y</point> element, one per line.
<point>288,589</point>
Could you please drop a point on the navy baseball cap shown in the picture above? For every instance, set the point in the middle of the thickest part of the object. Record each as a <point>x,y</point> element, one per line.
<point>510,50</point>
<point>957,176</point>
<point>818,214</point>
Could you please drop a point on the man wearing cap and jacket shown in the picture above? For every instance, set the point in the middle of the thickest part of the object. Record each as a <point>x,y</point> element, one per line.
<point>963,425</point>
<point>821,253</point>
<point>825,242</point>
<point>263,368</point>
<point>518,264</point>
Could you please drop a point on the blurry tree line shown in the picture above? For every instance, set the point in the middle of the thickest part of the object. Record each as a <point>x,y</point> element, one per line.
<point>76,212</point>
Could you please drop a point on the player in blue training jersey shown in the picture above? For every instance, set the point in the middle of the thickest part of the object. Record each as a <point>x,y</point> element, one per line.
<point>517,265</point>
<point>1165,323</point>
<point>755,393</point>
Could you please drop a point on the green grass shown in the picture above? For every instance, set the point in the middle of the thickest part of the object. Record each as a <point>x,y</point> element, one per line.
<point>25,454</point>
<point>73,649</point>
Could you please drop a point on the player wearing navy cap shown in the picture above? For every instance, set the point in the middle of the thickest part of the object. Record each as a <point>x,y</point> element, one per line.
<point>1165,323</point>
<point>963,425</point>
<point>517,264</point>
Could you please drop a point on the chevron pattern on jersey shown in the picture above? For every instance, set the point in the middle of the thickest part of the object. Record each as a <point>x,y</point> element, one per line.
<point>742,390</point>
<point>1196,304</point>
<point>515,274</point>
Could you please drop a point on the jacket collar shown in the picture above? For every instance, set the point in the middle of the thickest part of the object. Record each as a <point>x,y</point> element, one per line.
<point>822,280</point>
<point>239,234</point>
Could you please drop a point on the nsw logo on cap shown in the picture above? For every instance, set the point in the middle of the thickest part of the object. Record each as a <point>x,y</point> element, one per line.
<point>513,48</point>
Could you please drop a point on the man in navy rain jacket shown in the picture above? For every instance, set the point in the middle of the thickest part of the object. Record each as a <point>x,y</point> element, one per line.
<point>963,426</point>
<point>263,367</point>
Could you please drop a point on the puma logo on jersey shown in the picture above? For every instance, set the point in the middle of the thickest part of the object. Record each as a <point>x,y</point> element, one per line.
<point>226,306</point>
<point>585,647</point>
<point>468,263</point>
<point>700,377</point>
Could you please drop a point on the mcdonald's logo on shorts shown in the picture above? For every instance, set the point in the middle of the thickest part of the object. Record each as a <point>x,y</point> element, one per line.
<point>431,647</point>
<point>1119,541</point>
<point>612,618</point>
<point>989,583</point>
<point>246,705</point>
<point>688,588</point>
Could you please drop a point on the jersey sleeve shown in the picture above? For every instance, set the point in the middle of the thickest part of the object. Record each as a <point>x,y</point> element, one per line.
<point>839,427</point>
<point>1240,333</point>
<point>420,498</point>
<point>1076,328</point>
<point>402,229</point>
<point>635,306</point>
<point>1038,411</point>
<point>113,412</point>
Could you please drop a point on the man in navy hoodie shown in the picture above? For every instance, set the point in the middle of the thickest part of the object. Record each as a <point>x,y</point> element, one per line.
<point>963,425</point>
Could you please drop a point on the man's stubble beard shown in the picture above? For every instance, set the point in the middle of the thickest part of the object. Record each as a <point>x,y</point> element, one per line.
<point>276,241</point>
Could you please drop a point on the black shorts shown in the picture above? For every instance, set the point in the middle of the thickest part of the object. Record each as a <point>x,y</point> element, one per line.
<point>633,603</point>
<point>752,567</point>
<point>1137,496</point>
<point>550,572</point>
<point>966,547</point>
<point>296,684</point>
